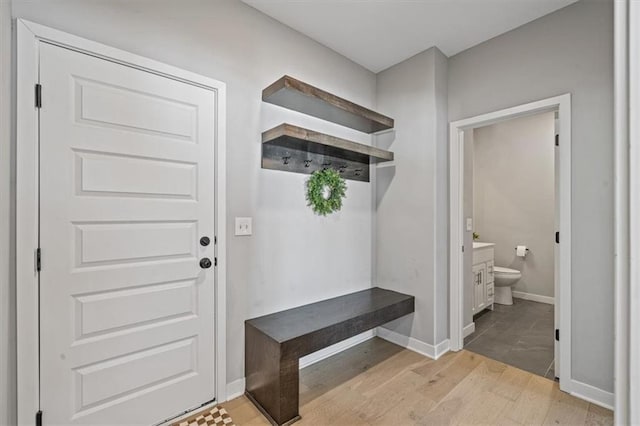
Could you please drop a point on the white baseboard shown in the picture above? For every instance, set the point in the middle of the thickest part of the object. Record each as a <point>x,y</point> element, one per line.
<point>469,329</point>
<point>442,348</point>
<point>415,345</point>
<point>534,297</point>
<point>334,349</point>
<point>592,394</point>
<point>235,389</point>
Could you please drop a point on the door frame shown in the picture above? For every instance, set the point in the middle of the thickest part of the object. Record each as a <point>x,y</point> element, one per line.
<point>627,208</point>
<point>561,104</point>
<point>29,37</point>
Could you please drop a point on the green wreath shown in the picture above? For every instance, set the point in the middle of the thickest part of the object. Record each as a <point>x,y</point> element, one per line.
<point>325,191</point>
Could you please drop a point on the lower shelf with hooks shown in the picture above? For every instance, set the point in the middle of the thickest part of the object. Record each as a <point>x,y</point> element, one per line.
<point>295,149</point>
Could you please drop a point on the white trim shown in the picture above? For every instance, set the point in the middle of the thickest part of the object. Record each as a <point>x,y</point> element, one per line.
<point>534,297</point>
<point>562,104</point>
<point>592,394</point>
<point>622,406</point>
<point>30,35</point>
<point>456,237</point>
<point>26,225</point>
<point>442,348</point>
<point>468,330</point>
<point>221,246</point>
<point>634,137</point>
<point>7,325</point>
<point>627,362</point>
<point>415,345</point>
<point>235,389</point>
<point>325,353</point>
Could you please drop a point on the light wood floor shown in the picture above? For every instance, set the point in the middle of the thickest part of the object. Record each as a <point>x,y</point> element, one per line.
<point>379,383</point>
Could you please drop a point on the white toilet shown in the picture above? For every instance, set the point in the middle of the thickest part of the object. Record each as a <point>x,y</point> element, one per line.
<point>504,280</point>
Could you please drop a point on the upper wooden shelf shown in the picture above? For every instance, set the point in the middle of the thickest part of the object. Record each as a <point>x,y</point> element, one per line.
<point>299,96</point>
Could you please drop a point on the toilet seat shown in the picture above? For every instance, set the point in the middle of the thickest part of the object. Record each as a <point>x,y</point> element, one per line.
<point>505,271</point>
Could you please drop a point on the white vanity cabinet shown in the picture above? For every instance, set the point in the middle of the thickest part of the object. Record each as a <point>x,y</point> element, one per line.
<point>482,270</point>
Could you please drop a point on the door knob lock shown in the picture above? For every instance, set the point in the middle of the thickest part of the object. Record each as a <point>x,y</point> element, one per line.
<point>205,263</point>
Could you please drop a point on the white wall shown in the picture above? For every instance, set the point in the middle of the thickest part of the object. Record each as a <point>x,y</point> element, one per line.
<point>514,196</point>
<point>570,50</point>
<point>293,257</point>
<point>411,233</point>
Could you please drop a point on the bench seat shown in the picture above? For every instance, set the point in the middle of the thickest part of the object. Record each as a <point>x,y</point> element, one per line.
<point>274,343</point>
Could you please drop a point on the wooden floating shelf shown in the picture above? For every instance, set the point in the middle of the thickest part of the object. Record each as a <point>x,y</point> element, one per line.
<point>302,97</point>
<point>295,149</point>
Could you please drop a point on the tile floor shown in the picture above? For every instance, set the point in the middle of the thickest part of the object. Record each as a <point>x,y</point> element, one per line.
<point>521,335</point>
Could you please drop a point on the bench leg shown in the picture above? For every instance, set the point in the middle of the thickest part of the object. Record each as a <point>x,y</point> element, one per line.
<point>272,380</point>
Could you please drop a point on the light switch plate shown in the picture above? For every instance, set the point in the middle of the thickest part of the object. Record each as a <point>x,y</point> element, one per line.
<point>469,224</point>
<point>243,226</point>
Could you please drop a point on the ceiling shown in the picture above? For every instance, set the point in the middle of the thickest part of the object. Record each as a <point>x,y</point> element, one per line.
<point>380,33</point>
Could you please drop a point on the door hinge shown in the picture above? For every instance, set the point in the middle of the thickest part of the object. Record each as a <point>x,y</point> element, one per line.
<point>38,95</point>
<point>463,249</point>
<point>38,259</point>
<point>557,140</point>
<point>557,334</point>
<point>557,237</point>
<point>39,418</point>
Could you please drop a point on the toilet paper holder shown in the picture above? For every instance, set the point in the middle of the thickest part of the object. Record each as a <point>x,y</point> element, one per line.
<point>527,249</point>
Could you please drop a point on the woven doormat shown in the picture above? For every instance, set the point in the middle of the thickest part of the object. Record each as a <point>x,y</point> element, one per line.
<point>216,416</point>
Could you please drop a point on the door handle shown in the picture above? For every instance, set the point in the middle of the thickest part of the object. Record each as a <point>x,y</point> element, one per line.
<point>205,263</point>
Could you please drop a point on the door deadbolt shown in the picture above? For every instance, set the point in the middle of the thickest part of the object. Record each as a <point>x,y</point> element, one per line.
<point>205,241</point>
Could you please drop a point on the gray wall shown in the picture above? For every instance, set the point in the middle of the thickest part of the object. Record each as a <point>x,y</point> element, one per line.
<point>276,268</point>
<point>568,51</point>
<point>293,257</point>
<point>514,196</point>
<point>411,218</point>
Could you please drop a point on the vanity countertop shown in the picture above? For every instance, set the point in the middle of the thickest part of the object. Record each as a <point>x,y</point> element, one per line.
<point>479,245</point>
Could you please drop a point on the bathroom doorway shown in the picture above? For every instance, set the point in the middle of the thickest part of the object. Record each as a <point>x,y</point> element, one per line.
<point>509,209</point>
<point>510,294</point>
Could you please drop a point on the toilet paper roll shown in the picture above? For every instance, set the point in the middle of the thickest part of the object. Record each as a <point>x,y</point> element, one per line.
<point>521,251</point>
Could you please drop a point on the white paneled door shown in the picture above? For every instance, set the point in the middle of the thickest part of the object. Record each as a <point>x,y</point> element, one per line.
<point>126,194</point>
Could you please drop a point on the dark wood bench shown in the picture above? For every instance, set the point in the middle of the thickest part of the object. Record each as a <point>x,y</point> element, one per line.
<point>274,343</point>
